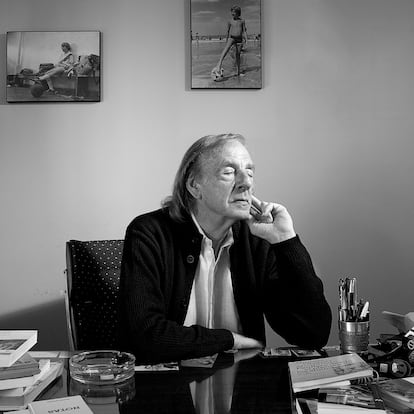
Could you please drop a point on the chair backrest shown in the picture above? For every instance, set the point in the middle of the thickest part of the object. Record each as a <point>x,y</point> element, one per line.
<point>92,274</point>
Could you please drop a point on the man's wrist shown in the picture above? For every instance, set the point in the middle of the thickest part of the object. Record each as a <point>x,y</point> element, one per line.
<point>281,237</point>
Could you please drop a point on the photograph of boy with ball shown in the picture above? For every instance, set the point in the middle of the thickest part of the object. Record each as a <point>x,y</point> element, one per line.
<point>226,44</point>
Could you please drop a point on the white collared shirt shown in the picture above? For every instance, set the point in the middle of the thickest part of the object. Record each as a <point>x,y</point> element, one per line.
<point>212,302</point>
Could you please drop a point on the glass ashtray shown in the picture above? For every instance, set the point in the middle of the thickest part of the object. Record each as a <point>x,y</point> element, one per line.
<point>102,367</point>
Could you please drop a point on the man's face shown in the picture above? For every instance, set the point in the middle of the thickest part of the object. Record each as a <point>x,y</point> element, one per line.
<point>226,184</point>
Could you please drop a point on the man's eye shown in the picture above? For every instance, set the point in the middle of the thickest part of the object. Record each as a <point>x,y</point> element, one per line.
<point>228,171</point>
<point>250,173</point>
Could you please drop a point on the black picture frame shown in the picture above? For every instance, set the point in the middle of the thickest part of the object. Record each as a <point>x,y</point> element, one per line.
<point>216,27</point>
<point>53,66</point>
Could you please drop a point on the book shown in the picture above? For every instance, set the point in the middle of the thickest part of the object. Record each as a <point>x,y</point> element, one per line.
<point>13,344</point>
<point>6,384</point>
<point>28,394</point>
<point>398,391</point>
<point>312,373</point>
<point>75,404</point>
<point>23,367</point>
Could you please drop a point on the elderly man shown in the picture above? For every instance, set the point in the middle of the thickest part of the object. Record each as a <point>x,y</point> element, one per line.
<point>199,275</point>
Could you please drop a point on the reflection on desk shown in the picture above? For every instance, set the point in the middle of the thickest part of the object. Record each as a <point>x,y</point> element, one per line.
<point>237,383</point>
<point>233,385</point>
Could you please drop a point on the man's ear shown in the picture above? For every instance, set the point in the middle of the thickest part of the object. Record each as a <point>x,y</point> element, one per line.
<point>193,187</point>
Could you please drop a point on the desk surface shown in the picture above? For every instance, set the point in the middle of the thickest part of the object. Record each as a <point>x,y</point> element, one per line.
<point>239,383</point>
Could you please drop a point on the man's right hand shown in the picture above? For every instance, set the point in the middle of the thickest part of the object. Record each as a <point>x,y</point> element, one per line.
<point>243,342</point>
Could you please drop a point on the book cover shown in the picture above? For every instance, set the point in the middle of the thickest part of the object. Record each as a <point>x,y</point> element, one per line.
<point>312,373</point>
<point>75,404</point>
<point>14,344</point>
<point>28,394</point>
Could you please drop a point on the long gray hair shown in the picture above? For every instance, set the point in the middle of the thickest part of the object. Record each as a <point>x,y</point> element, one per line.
<point>181,202</point>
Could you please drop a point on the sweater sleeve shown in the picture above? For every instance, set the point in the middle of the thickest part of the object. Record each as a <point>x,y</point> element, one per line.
<point>295,304</point>
<point>150,288</point>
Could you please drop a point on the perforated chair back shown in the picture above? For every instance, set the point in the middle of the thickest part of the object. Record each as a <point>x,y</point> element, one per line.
<point>92,274</point>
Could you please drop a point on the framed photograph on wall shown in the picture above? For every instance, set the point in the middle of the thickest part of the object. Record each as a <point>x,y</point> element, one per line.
<point>226,44</point>
<point>53,66</point>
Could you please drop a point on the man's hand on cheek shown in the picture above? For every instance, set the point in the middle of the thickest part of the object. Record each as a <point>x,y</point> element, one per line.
<point>270,221</point>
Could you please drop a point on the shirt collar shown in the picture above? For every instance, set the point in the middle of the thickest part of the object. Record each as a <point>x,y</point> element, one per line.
<point>228,239</point>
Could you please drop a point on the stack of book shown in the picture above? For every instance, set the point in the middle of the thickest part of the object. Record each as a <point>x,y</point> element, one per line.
<point>332,378</point>
<point>22,378</point>
<point>315,373</point>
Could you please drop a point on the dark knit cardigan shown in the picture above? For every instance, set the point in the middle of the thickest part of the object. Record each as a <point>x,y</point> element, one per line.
<point>158,266</point>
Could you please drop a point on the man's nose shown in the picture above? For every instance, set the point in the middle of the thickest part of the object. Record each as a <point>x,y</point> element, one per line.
<point>244,181</point>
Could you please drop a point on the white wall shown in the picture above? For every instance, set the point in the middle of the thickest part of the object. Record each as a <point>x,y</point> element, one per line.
<point>331,134</point>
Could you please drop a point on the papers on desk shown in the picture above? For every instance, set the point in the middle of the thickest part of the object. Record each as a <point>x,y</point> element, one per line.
<point>201,362</point>
<point>166,366</point>
<point>402,322</point>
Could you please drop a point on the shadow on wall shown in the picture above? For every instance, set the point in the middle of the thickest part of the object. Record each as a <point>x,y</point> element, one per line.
<point>48,319</point>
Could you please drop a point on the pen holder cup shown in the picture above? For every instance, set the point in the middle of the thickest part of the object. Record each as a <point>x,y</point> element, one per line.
<point>353,337</point>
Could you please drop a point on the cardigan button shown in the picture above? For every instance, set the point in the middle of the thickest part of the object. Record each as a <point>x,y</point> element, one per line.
<point>190,258</point>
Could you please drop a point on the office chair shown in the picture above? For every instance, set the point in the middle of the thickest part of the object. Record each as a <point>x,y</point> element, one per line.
<point>92,276</point>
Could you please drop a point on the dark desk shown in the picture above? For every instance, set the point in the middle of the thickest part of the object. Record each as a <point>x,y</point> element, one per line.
<point>233,385</point>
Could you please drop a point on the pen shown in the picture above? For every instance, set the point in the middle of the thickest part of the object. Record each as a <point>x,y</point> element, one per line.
<point>342,293</point>
<point>350,284</point>
<point>342,314</point>
<point>364,311</point>
<point>342,308</point>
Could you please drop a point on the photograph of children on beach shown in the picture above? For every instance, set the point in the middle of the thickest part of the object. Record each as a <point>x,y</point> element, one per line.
<point>226,44</point>
<point>53,66</point>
